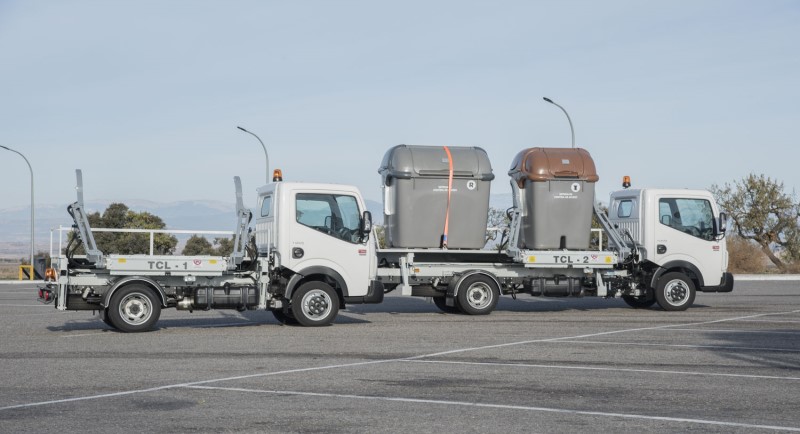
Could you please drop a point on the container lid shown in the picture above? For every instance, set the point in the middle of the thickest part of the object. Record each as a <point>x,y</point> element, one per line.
<point>546,164</point>
<point>406,162</point>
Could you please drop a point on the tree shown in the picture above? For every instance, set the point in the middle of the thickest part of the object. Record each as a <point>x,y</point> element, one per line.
<point>745,256</point>
<point>380,234</point>
<point>118,216</point>
<point>596,238</point>
<point>197,245</point>
<point>224,246</point>
<point>762,212</point>
<point>497,226</point>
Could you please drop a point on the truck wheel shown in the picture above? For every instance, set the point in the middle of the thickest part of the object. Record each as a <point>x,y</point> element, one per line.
<point>675,292</point>
<point>134,308</point>
<point>641,302</point>
<point>441,303</point>
<point>286,317</point>
<point>106,319</point>
<point>477,295</point>
<point>315,304</point>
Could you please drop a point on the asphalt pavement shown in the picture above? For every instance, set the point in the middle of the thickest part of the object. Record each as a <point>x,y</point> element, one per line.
<point>731,363</point>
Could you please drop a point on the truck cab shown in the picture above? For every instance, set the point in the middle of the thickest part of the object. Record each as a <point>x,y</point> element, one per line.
<point>675,232</point>
<point>317,237</point>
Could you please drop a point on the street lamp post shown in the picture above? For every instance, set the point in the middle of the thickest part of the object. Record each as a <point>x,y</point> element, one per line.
<point>262,145</point>
<point>568,119</point>
<point>31,169</point>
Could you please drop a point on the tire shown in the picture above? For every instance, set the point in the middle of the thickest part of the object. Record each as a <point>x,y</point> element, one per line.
<point>134,309</point>
<point>642,302</point>
<point>315,304</point>
<point>441,303</point>
<point>285,317</point>
<point>106,319</point>
<point>477,295</point>
<point>675,292</point>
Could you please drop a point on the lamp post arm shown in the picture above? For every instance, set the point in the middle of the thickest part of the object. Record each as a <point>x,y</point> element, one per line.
<point>32,212</point>
<point>266,155</point>
<point>568,119</point>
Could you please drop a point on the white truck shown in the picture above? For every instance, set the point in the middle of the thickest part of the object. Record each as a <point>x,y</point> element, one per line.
<point>313,251</point>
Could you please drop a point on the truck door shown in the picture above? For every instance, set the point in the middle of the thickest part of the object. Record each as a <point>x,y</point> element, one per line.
<point>685,231</point>
<point>326,233</point>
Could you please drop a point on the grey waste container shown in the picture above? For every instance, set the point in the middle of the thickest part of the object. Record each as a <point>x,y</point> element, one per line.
<point>415,200</point>
<point>558,186</point>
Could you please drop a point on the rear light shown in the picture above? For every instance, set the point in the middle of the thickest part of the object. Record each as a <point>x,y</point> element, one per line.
<point>50,274</point>
<point>45,295</point>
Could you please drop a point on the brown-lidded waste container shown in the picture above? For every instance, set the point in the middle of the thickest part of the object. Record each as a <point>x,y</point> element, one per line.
<point>558,197</point>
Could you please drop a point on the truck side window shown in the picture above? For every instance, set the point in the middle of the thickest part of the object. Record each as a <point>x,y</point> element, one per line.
<point>266,206</point>
<point>692,216</point>
<point>331,214</point>
<point>625,208</point>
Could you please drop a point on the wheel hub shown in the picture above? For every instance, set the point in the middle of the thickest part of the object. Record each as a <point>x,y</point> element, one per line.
<point>479,295</point>
<point>135,309</point>
<point>316,304</point>
<point>676,292</point>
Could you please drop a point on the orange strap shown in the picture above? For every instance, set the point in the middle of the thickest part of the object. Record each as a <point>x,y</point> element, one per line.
<point>449,190</point>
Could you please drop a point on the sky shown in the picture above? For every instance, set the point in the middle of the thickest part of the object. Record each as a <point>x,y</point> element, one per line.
<point>145,96</point>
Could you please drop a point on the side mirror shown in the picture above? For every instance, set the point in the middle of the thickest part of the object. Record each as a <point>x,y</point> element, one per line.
<point>723,222</point>
<point>365,225</point>
<point>666,220</point>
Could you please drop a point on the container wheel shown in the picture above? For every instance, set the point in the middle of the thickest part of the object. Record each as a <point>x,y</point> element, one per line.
<point>315,304</point>
<point>441,303</point>
<point>134,308</point>
<point>675,291</point>
<point>477,295</point>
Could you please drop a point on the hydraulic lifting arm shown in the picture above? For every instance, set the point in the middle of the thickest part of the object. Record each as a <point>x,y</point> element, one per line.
<point>243,220</point>
<point>84,229</point>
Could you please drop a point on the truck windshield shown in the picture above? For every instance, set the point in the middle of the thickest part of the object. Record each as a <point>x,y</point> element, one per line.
<point>692,216</point>
<point>332,214</point>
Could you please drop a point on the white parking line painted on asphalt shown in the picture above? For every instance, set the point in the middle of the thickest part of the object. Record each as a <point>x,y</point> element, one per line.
<point>590,335</point>
<point>733,331</point>
<point>27,305</point>
<point>503,407</point>
<point>596,368</point>
<point>194,383</point>
<point>788,321</point>
<point>714,347</point>
<point>372,362</point>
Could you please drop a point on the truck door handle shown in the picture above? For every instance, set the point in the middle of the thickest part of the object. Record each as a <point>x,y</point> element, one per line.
<point>661,249</point>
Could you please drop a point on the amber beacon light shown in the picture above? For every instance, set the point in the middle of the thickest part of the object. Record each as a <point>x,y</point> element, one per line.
<point>626,181</point>
<point>277,175</point>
